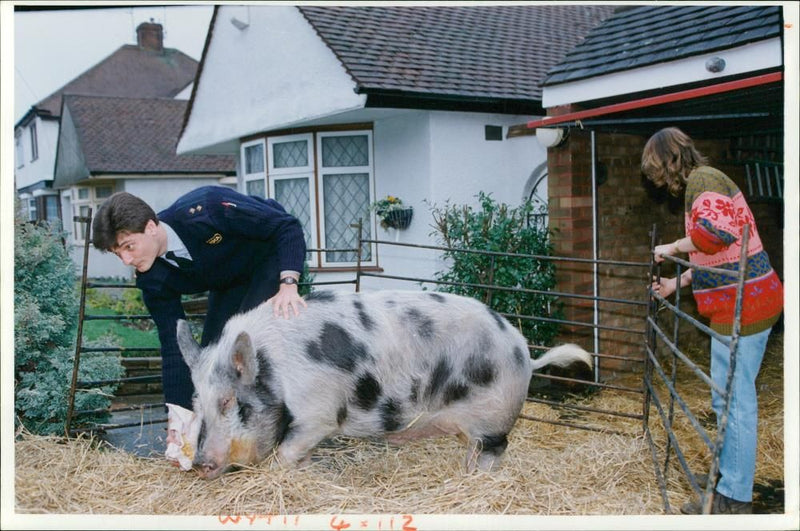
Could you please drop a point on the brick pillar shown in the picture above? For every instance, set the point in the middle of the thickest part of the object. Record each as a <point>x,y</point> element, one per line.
<point>570,218</point>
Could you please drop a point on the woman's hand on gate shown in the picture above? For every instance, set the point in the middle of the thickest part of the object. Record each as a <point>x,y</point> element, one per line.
<point>664,286</point>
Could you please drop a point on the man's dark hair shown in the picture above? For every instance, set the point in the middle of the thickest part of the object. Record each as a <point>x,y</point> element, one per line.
<point>122,212</point>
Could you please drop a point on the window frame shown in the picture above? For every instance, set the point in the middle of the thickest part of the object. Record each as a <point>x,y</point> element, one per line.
<point>93,201</point>
<point>283,139</point>
<point>255,176</point>
<point>296,172</point>
<point>339,170</point>
<point>315,173</point>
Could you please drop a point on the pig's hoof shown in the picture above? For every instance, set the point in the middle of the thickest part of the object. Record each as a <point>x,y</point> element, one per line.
<point>305,462</point>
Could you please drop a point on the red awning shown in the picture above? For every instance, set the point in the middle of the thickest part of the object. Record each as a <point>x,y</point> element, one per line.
<point>658,100</point>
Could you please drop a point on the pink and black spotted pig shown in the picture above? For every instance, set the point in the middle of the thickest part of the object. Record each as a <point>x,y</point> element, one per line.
<point>395,364</point>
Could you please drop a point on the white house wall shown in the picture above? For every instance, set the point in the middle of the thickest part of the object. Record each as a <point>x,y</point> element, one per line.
<point>254,69</point>
<point>42,168</point>
<point>464,163</point>
<point>428,158</point>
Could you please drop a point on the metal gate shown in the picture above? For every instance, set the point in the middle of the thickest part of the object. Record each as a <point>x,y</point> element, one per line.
<point>663,355</point>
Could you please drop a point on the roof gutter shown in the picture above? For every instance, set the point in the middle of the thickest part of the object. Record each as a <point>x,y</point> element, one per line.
<point>392,98</point>
<point>657,100</point>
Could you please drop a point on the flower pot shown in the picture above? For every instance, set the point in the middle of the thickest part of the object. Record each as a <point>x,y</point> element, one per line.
<point>398,218</point>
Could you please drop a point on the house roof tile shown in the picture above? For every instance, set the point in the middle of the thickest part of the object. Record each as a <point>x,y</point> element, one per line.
<point>499,51</point>
<point>645,35</point>
<point>130,71</point>
<point>136,135</point>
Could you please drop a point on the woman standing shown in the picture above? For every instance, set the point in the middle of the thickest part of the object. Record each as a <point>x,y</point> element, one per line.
<point>715,214</point>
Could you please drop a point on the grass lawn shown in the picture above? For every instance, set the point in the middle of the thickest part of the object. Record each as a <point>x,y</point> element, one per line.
<point>122,331</point>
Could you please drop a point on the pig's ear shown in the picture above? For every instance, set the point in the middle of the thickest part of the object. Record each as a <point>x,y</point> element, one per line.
<point>189,347</point>
<point>244,359</point>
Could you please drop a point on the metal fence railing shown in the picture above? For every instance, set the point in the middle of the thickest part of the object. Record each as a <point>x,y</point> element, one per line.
<point>664,358</point>
<point>655,371</point>
<point>359,274</point>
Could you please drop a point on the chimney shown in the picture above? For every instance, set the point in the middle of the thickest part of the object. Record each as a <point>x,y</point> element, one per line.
<point>150,36</point>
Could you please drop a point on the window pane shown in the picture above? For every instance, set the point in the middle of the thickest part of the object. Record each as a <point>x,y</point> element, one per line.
<point>340,151</point>
<point>80,227</point>
<point>290,154</point>
<point>51,207</point>
<point>254,158</point>
<point>32,209</point>
<point>83,193</point>
<point>101,192</point>
<point>346,200</point>
<point>34,143</point>
<point>255,187</point>
<point>293,195</point>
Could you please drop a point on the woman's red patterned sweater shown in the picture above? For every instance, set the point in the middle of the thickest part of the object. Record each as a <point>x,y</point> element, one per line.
<point>716,213</point>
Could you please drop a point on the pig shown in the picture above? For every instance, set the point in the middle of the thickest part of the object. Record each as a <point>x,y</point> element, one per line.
<point>399,365</point>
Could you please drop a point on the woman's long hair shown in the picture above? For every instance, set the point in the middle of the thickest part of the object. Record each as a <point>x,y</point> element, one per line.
<point>668,157</point>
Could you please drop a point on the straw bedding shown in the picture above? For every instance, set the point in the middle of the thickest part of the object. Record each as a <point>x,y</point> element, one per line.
<point>547,470</point>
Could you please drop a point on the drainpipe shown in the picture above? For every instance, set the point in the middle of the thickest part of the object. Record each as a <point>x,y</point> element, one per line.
<point>595,257</point>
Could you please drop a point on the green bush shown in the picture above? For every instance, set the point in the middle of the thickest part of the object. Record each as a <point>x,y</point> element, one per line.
<point>45,322</point>
<point>500,228</point>
<point>121,301</point>
<point>306,281</point>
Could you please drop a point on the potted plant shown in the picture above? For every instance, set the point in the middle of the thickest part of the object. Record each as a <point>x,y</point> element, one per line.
<point>392,213</point>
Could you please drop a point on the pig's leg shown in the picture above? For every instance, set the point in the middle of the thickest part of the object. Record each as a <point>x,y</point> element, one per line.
<point>484,452</point>
<point>295,449</point>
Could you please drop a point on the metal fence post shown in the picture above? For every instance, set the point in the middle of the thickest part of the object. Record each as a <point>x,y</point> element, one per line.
<point>82,310</point>
<point>360,228</point>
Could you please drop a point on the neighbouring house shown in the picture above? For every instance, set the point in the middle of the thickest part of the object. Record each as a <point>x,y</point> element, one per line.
<point>144,70</point>
<point>716,72</point>
<point>110,144</point>
<point>330,108</point>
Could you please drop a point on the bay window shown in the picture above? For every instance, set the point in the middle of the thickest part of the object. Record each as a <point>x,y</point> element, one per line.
<point>325,179</point>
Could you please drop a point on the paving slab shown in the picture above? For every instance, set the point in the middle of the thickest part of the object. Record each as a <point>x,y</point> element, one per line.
<point>142,431</point>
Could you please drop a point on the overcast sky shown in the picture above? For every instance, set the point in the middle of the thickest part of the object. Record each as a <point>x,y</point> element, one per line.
<point>53,47</point>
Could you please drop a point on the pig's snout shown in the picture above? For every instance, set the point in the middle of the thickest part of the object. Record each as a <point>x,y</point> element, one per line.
<point>210,465</point>
<point>209,469</point>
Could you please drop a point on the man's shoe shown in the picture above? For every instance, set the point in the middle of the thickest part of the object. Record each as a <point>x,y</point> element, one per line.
<point>721,504</point>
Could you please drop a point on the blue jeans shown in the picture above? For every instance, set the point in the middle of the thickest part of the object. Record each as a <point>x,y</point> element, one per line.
<point>737,462</point>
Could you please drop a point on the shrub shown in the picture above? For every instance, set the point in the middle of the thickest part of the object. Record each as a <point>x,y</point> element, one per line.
<point>305,284</point>
<point>121,301</point>
<point>500,228</point>
<point>45,321</point>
